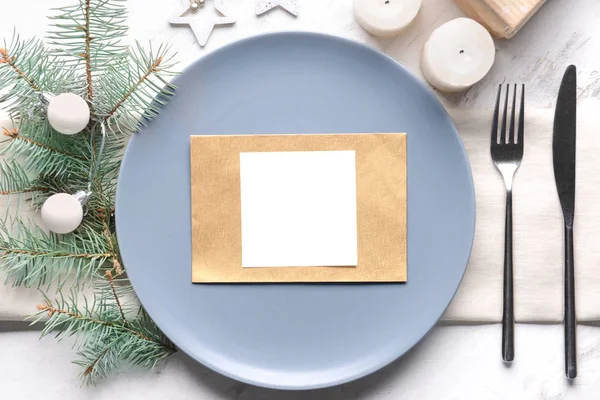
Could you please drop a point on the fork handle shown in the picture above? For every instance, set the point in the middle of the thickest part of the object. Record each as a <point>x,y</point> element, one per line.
<point>508,315</point>
<point>570,316</point>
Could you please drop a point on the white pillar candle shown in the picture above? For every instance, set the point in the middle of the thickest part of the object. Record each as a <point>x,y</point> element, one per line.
<point>457,55</point>
<point>385,17</point>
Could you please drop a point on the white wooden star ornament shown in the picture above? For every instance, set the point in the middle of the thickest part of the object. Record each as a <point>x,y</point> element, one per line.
<point>201,31</point>
<point>291,6</point>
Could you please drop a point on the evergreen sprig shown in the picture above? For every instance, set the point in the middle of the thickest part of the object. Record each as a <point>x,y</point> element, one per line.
<point>113,332</point>
<point>29,69</point>
<point>15,182</point>
<point>33,257</point>
<point>124,88</point>
<point>140,91</point>
<point>90,33</point>
<point>55,154</point>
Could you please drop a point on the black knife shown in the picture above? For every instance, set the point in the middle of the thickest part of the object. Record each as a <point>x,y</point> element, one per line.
<point>563,151</point>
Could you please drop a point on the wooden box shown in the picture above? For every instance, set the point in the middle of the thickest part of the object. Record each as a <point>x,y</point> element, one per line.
<point>503,18</point>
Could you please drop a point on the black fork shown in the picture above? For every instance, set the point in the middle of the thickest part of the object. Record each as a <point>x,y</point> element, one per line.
<point>507,153</point>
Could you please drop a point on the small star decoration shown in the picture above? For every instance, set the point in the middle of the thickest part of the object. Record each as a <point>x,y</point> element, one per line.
<point>202,32</point>
<point>291,6</point>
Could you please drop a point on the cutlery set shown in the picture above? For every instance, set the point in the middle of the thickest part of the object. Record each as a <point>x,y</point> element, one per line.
<point>507,152</point>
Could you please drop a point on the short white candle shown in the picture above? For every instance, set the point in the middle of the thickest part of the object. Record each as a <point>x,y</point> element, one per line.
<point>385,17</point>
<point>457,55</point>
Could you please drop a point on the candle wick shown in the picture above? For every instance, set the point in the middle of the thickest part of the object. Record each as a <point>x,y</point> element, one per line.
<point>461,52</point>
<point>387,2</point>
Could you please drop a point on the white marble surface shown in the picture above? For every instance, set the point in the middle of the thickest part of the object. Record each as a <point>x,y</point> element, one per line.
<point>453,362</point>
<point>461,362</point>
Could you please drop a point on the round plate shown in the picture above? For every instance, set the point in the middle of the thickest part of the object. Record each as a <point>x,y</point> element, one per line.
<point>296,336</point>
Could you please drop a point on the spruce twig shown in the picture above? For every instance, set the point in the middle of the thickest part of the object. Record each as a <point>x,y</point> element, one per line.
<point>114,292</point>
<point>153,68</point>
<point>15,181</point>
<point>124,87</point>
<point>90,369</point>
<point>6,58</point>
<point>8,251</point>
<point>32,257</point>
<point>87,55</point>
<point>22,191</point>
<point>107,340</point>
<point>50,310</point>
<point>14,135</point>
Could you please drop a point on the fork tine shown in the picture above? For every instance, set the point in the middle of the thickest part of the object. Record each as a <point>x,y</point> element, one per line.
<point>521,117</point>
<point>495,119</point>
<point>511,134</point>
<point>503,128</point>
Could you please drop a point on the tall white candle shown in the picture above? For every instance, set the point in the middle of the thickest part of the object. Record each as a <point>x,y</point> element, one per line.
<point>385,17</point>
<point>457,55</point>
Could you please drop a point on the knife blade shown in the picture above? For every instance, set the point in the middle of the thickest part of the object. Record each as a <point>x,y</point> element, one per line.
<point>563,143</point>
<point>564,156</point>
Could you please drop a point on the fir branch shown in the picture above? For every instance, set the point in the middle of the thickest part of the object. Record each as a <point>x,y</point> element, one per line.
<point>108,340</point>
<point>14,134</point>
<point>14,180</point>
<point>55,254</point>
<point>20,70</point>
<point>153,68</point>
<point>90,32</point>
<point>124,88</point>
<point>140,85</point>
<point>114,292</point>
<point>81,321</point>
<point>28,69</point>
<point>87,55</point>
<point>113,249</point>
<point>111,240</point>
<point>90,368</point>
<point>32,257</point>
<point>22,191</point>
<point>41,150</point>
<point>6,58</point>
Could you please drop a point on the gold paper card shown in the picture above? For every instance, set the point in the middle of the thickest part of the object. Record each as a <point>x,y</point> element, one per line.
<point>380,208</point>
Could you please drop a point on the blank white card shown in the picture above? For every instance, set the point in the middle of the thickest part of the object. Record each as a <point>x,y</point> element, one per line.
<point>298,208</point>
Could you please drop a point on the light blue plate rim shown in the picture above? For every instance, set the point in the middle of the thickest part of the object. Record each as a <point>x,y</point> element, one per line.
<point>318,383</point>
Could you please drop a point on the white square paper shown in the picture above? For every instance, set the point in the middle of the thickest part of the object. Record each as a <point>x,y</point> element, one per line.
<point>298,209</point>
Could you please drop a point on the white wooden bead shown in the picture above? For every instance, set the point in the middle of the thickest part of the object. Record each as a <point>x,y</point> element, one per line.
<point>68,113</point>
<point>62,213</point>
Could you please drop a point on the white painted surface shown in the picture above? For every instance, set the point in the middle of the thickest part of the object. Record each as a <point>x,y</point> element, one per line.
<point>453,362</point>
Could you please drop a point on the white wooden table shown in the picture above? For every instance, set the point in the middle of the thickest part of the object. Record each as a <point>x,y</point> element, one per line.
<point>453,362</point>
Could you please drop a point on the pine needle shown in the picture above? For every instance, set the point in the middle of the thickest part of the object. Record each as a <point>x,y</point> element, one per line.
<point>125,88</point>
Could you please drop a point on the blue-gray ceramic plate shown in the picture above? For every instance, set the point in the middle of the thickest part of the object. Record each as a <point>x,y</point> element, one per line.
<point>296,336</point>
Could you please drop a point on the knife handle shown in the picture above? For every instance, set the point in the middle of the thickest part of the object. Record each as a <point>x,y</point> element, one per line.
<point>570,316</point>
<point>508,314</point>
